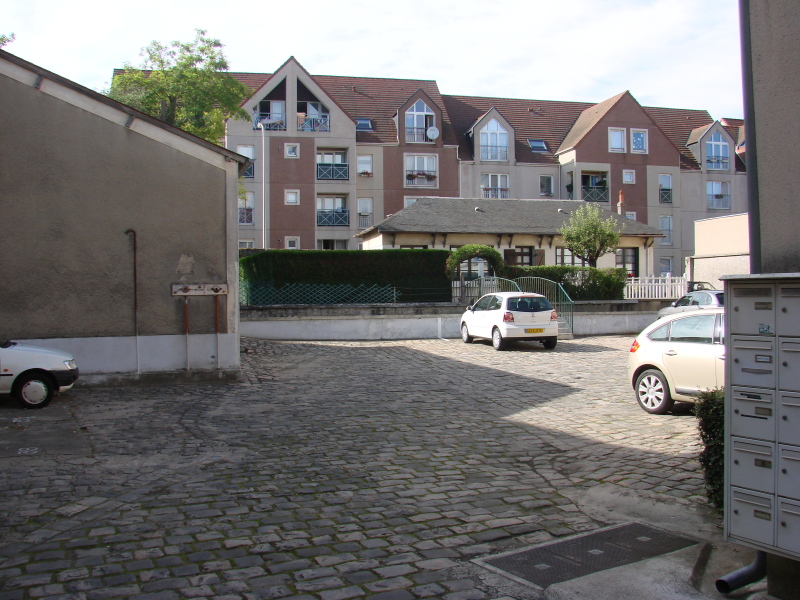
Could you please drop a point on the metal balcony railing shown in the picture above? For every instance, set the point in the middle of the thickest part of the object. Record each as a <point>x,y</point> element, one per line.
<point>593,193</point>
<point>245,216</point>
<point>273,121</point>
<point>333,217</point>
<point>333,171</point>
<point>719,201</point>
<point>417,134</point>
<point>364,220</point>
<point>717,162</point>
<point>494,152</point>
<point>495,192</point>
<point>420,177</point>
<point>305,123</point>
<point>665,195</point>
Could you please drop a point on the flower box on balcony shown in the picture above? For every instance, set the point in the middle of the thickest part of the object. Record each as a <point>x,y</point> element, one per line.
<point>365,174</point>
<point>430,177</point>
<point>411,177</point>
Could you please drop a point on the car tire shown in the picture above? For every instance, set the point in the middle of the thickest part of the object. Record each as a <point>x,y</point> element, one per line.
<point>497,340</point>
<point>550,343</point>
<point>465,336</point>
<point>34,390</point>
<point>652,392</point>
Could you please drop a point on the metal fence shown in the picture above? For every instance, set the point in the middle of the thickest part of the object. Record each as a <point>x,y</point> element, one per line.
<point>655,288</point>
<point>554,292</point>
<point>264,294</point>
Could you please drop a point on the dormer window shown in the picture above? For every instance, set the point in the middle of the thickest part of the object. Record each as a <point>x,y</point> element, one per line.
<point>494,141</point>
<point>717,152</point>
<point>418,119</point>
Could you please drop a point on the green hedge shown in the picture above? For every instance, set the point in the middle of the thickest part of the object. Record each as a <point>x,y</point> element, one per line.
<point>581,283</point>
<point>710,412</point>
<point>419,274</point>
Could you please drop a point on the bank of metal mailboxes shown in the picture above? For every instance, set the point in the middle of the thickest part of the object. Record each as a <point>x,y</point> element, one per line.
<point>762,412</point>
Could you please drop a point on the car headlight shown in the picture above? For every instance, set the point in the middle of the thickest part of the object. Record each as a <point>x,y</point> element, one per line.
<point>70,364</point>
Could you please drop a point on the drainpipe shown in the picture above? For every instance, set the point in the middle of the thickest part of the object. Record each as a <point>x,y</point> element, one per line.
<point>750,574</point>
<point>135,296</point>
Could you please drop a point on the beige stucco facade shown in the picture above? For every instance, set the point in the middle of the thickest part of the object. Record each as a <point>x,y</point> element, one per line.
<point>80,175</point>
<point>721,248</point>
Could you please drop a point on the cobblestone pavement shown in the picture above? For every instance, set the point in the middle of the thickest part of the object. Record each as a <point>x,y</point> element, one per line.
<point>334,470</point>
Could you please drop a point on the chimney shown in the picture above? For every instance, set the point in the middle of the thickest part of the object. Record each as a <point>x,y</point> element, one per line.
<point>621,204</point>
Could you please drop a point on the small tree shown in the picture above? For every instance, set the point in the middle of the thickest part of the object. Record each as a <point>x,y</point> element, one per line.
<point>6,39</point>
<point>185,85</point>
<point>588,235</point>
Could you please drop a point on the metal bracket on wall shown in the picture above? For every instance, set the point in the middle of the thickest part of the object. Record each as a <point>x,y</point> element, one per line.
<point>199,289</point>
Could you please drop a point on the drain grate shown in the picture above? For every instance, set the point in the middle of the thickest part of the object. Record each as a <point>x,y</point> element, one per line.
<point>585,554</point>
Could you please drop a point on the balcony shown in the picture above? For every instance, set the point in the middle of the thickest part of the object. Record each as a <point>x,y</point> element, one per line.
<point>665,195</point>
<point>592,193</point>
<point>421,178</point>
<point>719,202</point>
<point>306,123</point>
<point>494,152</point>
<point>417,134</point>
<point>271,121</point>
<point>245,216</point>
<point>364,220</point>
<point>716,162</point>
<point>333,217</point>
<point>495,192</point>
<point>336,171</point>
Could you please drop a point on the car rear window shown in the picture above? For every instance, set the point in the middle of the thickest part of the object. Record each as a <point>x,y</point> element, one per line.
<point>529,304</point>
<point>721,299</point>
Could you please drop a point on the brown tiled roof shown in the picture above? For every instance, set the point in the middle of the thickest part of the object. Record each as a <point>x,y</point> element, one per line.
<point>459,215</point>
<point>587,120</point>
<point>678,125</point>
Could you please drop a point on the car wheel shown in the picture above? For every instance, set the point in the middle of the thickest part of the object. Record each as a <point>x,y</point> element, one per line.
<point>652,392</point>
<point>34,390</point>
<point>497,340</point>
<point>465,336</point>
<point>550,343</point>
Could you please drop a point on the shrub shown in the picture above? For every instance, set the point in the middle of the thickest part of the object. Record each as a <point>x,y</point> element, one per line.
<point>581,283</point>
<point>492,256</point>
<point>710,412</point>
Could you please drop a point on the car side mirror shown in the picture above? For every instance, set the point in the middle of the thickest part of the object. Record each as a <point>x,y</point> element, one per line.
<point>469,308</point>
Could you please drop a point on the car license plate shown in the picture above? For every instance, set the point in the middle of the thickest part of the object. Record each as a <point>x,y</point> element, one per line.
<point>534,330</point>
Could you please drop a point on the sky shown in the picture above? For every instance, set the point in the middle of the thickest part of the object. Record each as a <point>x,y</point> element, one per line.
<point>670,53</point>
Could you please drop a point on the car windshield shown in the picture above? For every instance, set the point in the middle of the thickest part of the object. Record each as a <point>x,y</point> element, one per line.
<point>529,304</point>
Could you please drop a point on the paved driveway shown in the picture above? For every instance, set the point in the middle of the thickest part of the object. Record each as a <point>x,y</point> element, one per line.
<point>335,470</point>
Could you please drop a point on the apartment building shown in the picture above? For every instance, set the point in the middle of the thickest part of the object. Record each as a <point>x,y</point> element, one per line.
<point>334,156</point>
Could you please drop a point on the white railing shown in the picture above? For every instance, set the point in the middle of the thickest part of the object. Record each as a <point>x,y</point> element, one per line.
<point>655,288</point>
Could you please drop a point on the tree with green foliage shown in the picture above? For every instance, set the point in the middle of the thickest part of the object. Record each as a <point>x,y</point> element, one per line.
<point>457,256</point>
<point>185,85</point>
<point>588,235</point>
<point>6,39</point>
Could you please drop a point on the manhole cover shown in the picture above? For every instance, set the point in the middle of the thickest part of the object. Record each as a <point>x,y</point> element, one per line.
<point>584,554</point>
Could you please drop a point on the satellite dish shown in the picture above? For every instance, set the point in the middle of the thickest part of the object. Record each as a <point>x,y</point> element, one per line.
<point>432,133</point>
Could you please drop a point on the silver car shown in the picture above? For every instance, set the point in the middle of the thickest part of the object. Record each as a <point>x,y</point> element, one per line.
<point>677,358</point>
<point>516,316</point>
<point>695,301</point>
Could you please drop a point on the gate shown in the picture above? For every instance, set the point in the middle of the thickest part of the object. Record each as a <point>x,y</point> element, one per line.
<point>554,292</point>
<point>468,291</point>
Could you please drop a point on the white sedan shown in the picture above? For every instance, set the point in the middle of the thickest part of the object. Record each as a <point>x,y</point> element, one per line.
<point>515,316</point>
<point>33,374</point>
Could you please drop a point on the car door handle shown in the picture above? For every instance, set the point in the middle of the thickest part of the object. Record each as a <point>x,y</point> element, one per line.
<point>671,353</point>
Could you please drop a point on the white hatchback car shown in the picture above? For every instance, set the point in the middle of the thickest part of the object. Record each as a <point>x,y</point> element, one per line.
<point>516,316</point>
<point>33,374</point>
<point>677,358</point>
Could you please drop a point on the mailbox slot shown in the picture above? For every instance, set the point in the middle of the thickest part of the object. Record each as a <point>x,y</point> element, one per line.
<point>752,516</point>
<point>789,525</point>
<point>753,361</point>
<point>752,309</point>
<point>753,465</point>
<point>753,413</point>
<point>789,418</point>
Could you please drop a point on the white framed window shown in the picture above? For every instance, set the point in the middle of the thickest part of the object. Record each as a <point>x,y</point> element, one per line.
<point>249,152</point>
<point>247,244</point>
<point>630,214</point>
<point>665,188</point>
<point>291,242</point>
<point>407,201</point>
<point>616,139</point>
<point>364,213</point>
<point>718,194</point>
<point>628,176</point>
<point>332,211</point>
<point>291,197</point>
<point>639,140</point>
<point>246,206</point>
<point>717,152</point>
<point>494,185</point>
<point>564,256</point>
<point>331,244</point>
<point>365,165</point>
<point>665,265</point>
<point>418,119</point>
<point>665,225</point>
<point>494,141</point>
<point>291,150</point>
<point>421,170</point>
<point>545,185</point>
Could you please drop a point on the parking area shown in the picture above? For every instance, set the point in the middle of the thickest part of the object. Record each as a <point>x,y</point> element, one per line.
<point>337,470</point>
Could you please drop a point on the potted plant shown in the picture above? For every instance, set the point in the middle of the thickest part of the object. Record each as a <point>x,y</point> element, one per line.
<point>365,174</point>
<point>430,176</point>
<point>410,176</point>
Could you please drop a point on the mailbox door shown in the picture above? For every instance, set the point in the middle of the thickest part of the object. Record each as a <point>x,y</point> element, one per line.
<point>752,516</point>
<point>789,471</point>
<point>789,525</point>
<point>753,413</point>
<point>787,309</point>
<point>752,309</point>
<point>753,361</point>
<point>789,364</point>
<point>789,418</point>
<point>752,465</point>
